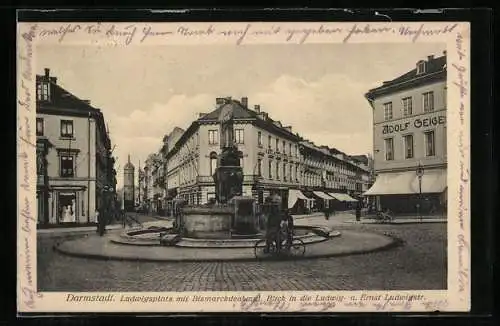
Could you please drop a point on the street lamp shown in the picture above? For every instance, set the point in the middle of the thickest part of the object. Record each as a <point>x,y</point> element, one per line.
<point>420,173</point>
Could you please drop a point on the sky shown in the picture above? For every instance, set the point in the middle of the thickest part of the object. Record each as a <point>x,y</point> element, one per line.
<point>146,91</point>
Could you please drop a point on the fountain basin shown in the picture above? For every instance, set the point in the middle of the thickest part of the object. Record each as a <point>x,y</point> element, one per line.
<point>208,222</point>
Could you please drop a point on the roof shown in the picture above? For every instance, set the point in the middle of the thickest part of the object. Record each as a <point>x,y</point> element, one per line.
<point>433,66</point>
<point>65,99</point>
<point>129,166</point>
<point>65,103</point>
<point>239,112</point>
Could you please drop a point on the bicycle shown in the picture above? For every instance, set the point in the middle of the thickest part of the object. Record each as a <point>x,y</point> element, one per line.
<point>295,249</point>
<point>384,217</point>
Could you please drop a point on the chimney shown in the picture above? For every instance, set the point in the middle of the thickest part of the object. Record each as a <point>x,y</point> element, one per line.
<point>430,57</point>
<point>219,101</point>
<point>244,102</point>
<point>257,108</point>
<point>47,72</point>
<point>444,52</point>
<point>53,80</point>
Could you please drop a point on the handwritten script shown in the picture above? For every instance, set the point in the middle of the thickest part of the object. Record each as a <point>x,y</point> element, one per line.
<point>461,84</point>
<point>26,145</point>
<point>127,34</point>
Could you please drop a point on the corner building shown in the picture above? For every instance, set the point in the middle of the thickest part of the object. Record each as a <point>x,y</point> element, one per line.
<point>409,131</point>
<point>273,158</point>
<point>75,166</point>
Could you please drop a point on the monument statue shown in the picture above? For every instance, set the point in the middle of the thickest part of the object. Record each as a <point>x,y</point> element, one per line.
<point>228,175</point>
<point>231,214</point>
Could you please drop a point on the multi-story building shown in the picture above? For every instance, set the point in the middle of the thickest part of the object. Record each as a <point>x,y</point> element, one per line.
<point>273,158</point>
<point>76,175</point>
<point>409,139</point>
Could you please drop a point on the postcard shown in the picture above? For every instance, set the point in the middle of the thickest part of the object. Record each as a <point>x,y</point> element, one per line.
<point>243,167</point>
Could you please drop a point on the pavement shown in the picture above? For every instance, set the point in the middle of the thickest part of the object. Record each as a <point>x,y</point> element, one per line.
<point>420,263</point>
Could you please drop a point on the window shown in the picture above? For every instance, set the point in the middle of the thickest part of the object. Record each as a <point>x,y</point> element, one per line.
<point>259,167</point>
<point>421,67</point>
<point>39,126</point>
<point>277,145</point>
<point>66,128</point>
<point>428,100</point>
<point>210,196</point>
<point>277,171</point>
<point>270,169</point>
<point>259,138</point>
<point>67,166</point>
<point>291,172</point>
<point>389,149</point>
<point>297,172</point>
<point>213,137</point>
<point>388,111</point>
<point>430,149</point>
<point>407,106</point>
<point>238,137</point>
<point>408,146</point>
<point>42,91</point>
<point>290,149</point>
<point>284,147</point>
<point>213,162</point>
<point>284,171</point>
<point>269,140</point>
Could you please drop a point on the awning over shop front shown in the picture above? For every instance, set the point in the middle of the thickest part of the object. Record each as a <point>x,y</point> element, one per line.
<point>342,197</point>
<point>294,195</point>
<point>349,198</point>
<point>406,183</point>
<point>322,195</point>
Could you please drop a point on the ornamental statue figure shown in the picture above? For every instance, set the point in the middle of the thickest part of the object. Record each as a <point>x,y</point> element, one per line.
<point>228,175</point>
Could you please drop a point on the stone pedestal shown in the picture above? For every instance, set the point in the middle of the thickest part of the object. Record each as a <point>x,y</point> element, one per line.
<point>208,222</point>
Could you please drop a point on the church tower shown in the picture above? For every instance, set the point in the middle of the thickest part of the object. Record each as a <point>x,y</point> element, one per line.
<point>128,186</point>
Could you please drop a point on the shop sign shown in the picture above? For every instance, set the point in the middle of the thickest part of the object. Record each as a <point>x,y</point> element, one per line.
<point>417,123</point>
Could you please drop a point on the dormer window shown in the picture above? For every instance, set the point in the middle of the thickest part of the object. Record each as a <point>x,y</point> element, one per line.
<point>42,91</point>
<point>420,67</point>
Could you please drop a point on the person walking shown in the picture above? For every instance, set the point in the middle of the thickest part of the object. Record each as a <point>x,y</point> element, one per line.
<point>289,229</point>
<point>97,221</point>
<point>101,222</point>
<point>358,211</point>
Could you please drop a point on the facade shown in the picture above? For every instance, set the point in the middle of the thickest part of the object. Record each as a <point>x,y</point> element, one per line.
<point>129,186</point>
<point>409,134</point>
<point>75,170</point>
<point>273,158</point>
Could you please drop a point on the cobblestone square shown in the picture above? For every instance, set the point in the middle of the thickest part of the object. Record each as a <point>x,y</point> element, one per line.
<point>419,263</point>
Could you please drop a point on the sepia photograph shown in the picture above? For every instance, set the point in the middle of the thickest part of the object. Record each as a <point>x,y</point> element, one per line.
<point>242,169</point>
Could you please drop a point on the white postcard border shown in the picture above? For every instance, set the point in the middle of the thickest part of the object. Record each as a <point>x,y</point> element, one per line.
<point>456,35</point>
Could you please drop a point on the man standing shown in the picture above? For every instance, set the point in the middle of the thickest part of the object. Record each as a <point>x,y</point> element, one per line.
<point>273,221</point>
<point>289,229</point>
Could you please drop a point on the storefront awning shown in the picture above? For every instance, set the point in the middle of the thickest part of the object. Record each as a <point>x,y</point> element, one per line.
<point>322,195</point>
<point>406,183</point>
<point>342,197</point>
<point>349,198</point>
<point>294,195</point>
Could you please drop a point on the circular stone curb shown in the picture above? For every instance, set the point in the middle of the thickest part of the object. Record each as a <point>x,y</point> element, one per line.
<point>97,253</point>
<point>315,236</point>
